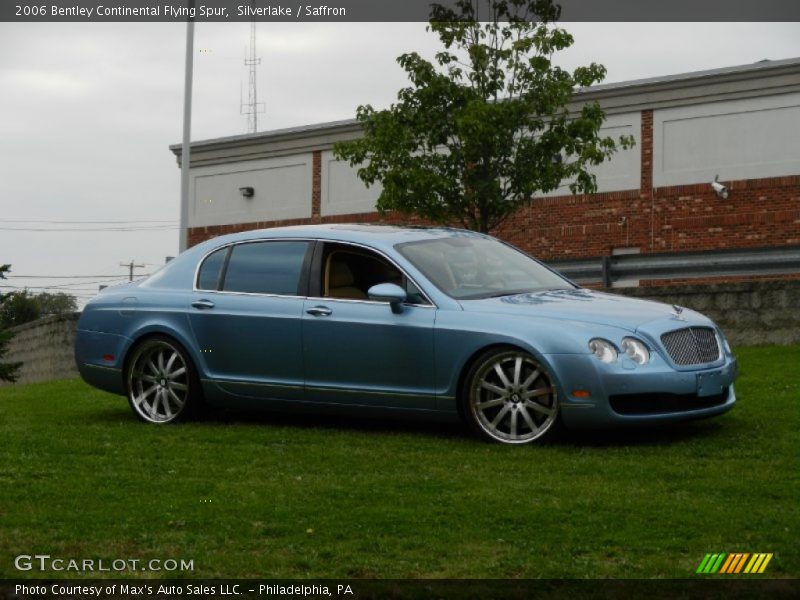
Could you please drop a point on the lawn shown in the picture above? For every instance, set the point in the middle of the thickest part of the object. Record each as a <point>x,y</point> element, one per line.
<point>274,496</point>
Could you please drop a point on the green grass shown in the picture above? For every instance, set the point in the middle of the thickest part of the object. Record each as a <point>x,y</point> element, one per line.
<point>307,496</point>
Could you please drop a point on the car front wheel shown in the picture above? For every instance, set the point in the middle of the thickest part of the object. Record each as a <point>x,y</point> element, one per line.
<point>162,386</point>
<point>509,397</point>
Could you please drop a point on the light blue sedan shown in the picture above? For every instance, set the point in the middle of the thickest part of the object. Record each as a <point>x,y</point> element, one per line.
<point>434,322</point>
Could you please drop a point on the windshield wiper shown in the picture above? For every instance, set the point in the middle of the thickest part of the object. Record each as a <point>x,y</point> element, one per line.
<point>509,293</point>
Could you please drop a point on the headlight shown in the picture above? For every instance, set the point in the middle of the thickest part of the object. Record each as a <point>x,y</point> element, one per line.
<point>635,350</point>
<point>603,350</point>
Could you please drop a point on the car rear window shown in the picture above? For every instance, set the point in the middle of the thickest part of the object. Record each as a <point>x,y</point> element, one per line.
<point>266,267</point>
<point>208,279</point>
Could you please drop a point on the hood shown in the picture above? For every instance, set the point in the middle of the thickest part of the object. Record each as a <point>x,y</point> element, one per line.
<point>582,305</point>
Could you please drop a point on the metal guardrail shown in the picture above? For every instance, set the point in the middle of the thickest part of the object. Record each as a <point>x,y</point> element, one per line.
<point>681,265</point>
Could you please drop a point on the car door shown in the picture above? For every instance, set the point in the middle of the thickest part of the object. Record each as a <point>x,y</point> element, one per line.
<point>246,317</point>
<point>358,351</point>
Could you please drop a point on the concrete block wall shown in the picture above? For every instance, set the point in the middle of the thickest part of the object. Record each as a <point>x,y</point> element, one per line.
<point>46,349</point>
<point>750,313</point>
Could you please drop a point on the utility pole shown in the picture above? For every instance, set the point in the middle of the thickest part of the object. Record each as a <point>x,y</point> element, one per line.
<point>186,150</point>
<point>131,266</point>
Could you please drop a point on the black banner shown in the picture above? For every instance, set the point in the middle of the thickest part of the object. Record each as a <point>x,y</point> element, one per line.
<point>359,589</point>
<point>382,10</point>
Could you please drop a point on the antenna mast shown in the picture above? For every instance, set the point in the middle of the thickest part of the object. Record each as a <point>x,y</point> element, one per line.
<point>253,106</point>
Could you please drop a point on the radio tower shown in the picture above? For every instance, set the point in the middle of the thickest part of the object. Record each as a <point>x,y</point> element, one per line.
<point>253,106</point>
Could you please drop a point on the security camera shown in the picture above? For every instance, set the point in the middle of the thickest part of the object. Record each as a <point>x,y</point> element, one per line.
<point>247,191</point>
<point>720,190</point>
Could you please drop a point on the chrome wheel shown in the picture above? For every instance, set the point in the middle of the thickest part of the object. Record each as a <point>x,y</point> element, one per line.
<point>158,382</point>
<point>511,398</point>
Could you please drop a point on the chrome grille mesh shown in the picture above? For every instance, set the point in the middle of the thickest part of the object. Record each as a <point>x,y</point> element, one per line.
<point>691,346</point>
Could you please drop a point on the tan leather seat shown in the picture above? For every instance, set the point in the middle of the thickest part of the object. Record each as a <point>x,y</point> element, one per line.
<point>339,279</point>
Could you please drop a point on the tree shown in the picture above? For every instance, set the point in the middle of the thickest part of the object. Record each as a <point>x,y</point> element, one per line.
<point>56,304</point>
<point>23,306</point>
<point>8,371</point>
<point>473,139</point>
<point>19,307</point>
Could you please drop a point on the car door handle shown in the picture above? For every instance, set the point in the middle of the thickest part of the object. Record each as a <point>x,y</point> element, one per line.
<point>203,304</point>
<point>320,311</point>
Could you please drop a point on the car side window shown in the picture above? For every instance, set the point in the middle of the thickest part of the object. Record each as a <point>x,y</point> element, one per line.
<point>265,267</point>
<point>413,294</point>
<point>349,273</point>
<point>210,270</point>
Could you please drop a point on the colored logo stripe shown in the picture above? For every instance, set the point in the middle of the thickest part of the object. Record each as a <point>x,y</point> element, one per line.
<point>737,563</point>
<point>711,563</point>
<point>758,563</point>
<point>734,563</point>
<point>727,564</point>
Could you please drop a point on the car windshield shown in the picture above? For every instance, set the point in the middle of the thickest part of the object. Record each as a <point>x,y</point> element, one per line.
<point>470,267</point>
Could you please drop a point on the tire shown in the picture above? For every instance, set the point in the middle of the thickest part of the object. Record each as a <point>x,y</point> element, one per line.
<point>161,382</point>
<point>509,397</point>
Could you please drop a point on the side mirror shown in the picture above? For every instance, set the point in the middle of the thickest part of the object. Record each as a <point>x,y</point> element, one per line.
<point>388,292</point>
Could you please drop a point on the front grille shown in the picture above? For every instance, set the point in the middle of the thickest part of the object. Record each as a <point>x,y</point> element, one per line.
<point>691,346</point>
<point>662,403</point>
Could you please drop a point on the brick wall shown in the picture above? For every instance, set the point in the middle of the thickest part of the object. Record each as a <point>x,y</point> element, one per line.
<point>46,349</point>
<point>757,213</point>
<point>316,186</point>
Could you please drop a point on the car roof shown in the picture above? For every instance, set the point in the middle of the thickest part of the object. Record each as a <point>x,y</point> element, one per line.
<point>371,234</point>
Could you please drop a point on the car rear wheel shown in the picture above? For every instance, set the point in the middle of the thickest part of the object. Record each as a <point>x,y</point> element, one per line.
<point>162,385</point>
<point>509,397</point>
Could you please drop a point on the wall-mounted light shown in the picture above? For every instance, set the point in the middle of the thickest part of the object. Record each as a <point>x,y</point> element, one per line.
<point>720,190</point>
<point>247,191</point>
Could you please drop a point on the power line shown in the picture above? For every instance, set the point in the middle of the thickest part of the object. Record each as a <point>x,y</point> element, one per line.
<point>84,229</point>
<point>65,286</point>
<point>14,275</point>
<point>77,284</point>
<point>86,222</point>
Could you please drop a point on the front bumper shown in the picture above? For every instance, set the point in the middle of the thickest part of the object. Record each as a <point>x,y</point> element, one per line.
<point>623,393</point>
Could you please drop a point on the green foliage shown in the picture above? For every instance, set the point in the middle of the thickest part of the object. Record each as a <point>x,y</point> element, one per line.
<point>3,270</point>
<point>19,307</point>
<point>22,306</point>
<point>56,304</point>
<point>8,371</point>
<point>484,129</point>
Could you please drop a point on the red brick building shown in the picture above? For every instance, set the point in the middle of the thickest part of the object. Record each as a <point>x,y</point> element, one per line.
<point>739,123</point>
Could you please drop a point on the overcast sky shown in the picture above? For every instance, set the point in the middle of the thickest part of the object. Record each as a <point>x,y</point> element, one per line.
<point>87,112</point>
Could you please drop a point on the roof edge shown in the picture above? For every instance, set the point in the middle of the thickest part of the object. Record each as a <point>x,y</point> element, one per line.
<point>635,87</point>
